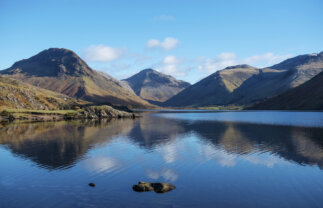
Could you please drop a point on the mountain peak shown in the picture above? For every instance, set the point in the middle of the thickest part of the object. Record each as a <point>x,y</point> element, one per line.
<point>51,62</point>
<point>155,86</point>
<point>240,66</point>
<point>148,70</point>
<point>61,70</point>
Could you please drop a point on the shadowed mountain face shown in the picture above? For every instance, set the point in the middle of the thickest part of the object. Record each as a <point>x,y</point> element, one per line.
<point>154,86</point>
<point>287,75</point>
<point>62,71</point>
<point>308,96</point>
<point>60,145</point>
<point>244,85</point>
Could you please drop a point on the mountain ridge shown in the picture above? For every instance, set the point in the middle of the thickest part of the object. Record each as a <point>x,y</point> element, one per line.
<point>244,84</point>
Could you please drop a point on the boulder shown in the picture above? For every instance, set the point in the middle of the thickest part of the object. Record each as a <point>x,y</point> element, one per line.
<point>157,187</point>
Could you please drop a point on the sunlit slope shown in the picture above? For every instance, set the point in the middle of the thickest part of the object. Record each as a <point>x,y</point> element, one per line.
<point>62,71</point>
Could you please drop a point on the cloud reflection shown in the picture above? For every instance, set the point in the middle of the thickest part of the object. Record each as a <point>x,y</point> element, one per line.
<point>102,164</point>
<point>166,174</point>
<point>169,153</point>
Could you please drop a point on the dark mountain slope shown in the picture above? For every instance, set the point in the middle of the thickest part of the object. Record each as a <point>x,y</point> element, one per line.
<point>278,79</point>
<point>308,96</point>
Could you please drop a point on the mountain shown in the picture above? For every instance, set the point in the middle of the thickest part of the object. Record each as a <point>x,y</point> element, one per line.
<point>14,94</point>
<point>63,71</point>
<point>308,96</point>
<point>154,86</point>
<point>248,84</point>
<point>214,89</point>
<point>301,61</point>
<point>278,79</point>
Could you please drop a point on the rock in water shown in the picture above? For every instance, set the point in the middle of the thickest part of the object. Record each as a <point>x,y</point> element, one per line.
<point>92,184</point>
<point>157,187</point>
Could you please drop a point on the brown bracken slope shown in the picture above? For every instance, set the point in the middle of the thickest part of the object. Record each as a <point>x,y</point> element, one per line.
<point>63,71</point>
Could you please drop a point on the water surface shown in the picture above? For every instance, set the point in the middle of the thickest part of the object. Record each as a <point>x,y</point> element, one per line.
<point>215,159</point>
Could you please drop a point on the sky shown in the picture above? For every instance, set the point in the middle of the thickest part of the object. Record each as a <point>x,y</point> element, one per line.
<point>188,39</point>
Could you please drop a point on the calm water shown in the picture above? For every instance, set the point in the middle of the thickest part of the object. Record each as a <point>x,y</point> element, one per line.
<point>215,159</point>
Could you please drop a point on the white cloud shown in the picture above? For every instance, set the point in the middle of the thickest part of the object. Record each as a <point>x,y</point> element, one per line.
<point>170,60</point>
<point>221,61</point>
<point>172,70</point>
<point>168,43</point>
<point>226,56</point>
<point>163,17</point>
<point>153,43</point>
<point>102,53</point>
<point>266,59</point>
<point>170,65</point>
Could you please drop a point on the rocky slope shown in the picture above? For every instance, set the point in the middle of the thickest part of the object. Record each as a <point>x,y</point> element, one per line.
<point>308,96</point>
<point>154,86</point>
<point>244,85</point>
<point>63,71</point>
<point>15,94</point>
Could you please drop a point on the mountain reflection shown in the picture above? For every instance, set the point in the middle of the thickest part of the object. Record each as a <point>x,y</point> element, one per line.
<point>57,145</point>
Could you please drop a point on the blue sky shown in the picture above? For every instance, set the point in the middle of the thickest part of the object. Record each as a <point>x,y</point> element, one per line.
<point>187,39</point>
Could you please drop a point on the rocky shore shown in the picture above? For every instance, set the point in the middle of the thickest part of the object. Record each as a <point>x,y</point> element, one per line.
<point>89,112</point>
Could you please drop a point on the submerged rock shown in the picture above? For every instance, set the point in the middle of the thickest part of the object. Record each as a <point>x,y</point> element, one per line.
<point>92,184</point>
<point>157,187</point>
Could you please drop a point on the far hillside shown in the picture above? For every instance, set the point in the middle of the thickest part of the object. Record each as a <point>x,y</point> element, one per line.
<point>308,96</point>
<point>244,85</point>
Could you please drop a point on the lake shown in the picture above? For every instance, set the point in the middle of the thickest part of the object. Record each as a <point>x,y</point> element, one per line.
<point>214,158</point>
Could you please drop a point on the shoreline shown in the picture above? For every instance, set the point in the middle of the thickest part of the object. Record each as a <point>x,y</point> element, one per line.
<point>91,112</point>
